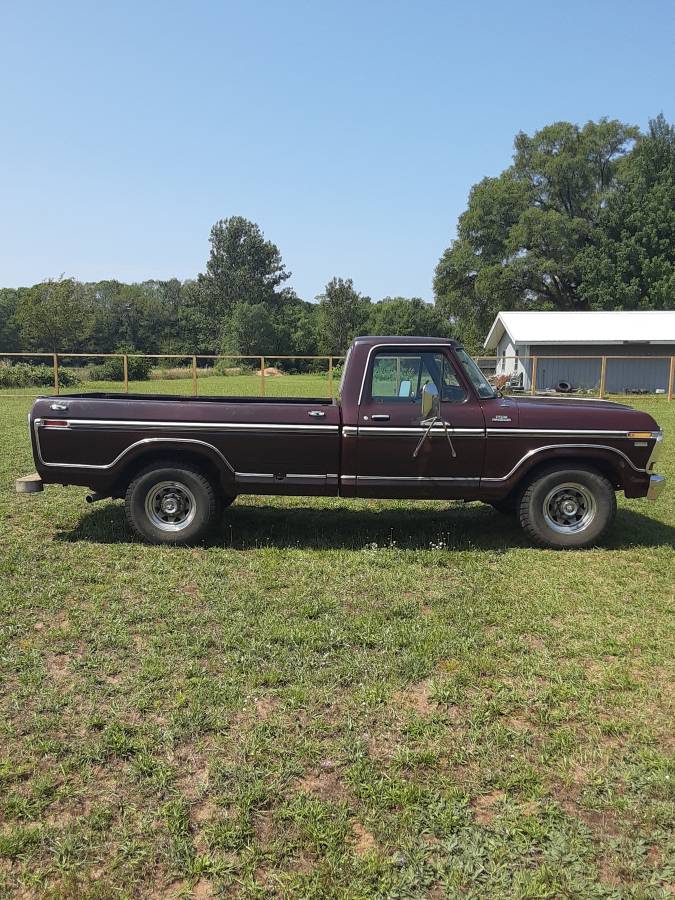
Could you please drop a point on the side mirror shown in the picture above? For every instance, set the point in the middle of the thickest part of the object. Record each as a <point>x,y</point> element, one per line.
<point>431,404</point>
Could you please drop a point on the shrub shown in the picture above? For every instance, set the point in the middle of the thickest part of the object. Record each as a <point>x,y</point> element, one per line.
<point>113,369</point>
<point>25,375</point>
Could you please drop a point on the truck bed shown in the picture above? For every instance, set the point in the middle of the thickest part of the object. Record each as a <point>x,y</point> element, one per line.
<point>259,444</point>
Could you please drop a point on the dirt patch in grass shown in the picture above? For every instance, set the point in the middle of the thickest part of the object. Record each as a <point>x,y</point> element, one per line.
<point>264,829</point>
<point>193,772</point>
<point>203,811</point>
<point>364,842</point>
<point>533,642</point>
<point>265,706</point>
<point>326,785</point>
<point>58,667</point>
<point>417,697</point>
<point>484,806</point>
<point>202,889</point>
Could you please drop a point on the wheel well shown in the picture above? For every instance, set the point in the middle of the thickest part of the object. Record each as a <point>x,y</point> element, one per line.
<point>610,469</point>
<point>157,457</point>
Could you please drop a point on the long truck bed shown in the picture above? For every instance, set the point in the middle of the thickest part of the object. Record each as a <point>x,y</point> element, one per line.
<point>285,445</point>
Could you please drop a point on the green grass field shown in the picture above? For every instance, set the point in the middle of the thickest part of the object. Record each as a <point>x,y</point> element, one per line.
<point>332,699</point>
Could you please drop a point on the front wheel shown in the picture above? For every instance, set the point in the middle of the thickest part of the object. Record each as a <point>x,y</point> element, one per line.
<point>171,503</point>
<point>567,508</point>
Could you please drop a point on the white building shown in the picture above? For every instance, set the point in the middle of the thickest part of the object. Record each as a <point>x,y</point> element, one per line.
<point>516,337</point>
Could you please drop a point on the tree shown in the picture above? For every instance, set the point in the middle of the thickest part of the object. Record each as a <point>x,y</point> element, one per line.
<point>9,330</point>
<point>519,242</point>
<point>407,316</point>
<point>631,261</point>
<point>342,314</point>
<point>242,266</point>
<point>250,330</point>
<point>55,315</point>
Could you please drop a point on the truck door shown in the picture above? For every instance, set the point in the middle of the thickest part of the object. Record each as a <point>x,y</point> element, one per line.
<point>394,458</point>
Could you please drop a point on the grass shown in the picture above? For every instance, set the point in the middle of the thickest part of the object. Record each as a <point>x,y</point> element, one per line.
<point>244,385</point>
<point>332,699</point>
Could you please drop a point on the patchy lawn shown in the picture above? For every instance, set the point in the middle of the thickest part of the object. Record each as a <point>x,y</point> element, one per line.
<point>332,699</point>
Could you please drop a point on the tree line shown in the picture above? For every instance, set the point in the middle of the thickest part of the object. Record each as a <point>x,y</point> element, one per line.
<point>584,218</point>
<point>239,305</point>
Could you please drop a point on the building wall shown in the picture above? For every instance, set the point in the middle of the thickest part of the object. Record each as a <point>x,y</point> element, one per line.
<point>622,375</point>
<point>512,360</point>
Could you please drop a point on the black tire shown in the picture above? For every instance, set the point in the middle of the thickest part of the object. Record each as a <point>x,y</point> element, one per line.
<point>153,493</point>
<point>566,507</point>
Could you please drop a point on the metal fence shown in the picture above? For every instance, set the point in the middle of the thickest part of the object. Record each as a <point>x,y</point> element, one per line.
<point>619,375</point>
<point>205,374</point>
<point>231,374</point>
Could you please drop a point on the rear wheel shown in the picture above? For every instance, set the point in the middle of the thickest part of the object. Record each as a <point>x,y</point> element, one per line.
<point>566,507</point>
<point>172,503</point>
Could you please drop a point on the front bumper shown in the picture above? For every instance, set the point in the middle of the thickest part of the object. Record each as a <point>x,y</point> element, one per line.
<point>656,485</point>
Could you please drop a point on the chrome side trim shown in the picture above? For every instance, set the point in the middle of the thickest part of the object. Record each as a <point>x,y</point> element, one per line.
<point>110,465</point>
<point>374,430</point>
<point>520,432</point>
<point>271,478</point>
<point>203,426</point>
<point>536,450</point>
<point>405,479</point>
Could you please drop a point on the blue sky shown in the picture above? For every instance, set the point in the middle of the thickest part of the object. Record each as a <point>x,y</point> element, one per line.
<point>351,131</point>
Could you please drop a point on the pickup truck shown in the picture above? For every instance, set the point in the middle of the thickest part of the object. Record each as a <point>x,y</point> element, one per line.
<point>415,418</point>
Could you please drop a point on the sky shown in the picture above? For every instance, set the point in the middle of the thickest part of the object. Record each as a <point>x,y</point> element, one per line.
<point>351,132</point>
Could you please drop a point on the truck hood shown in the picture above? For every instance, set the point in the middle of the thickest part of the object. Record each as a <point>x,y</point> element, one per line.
<point>580,414</point>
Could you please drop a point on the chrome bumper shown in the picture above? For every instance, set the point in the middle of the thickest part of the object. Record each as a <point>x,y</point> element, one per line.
<point>29,484</point>
<point>656,486</point>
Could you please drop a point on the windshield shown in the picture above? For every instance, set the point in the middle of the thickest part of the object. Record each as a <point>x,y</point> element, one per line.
<point>483,388</point>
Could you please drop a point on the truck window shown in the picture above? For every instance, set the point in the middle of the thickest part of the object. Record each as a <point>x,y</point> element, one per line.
<point>400,377</point>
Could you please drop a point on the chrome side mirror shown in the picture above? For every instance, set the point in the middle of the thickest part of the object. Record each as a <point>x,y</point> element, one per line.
<point>431,404</point>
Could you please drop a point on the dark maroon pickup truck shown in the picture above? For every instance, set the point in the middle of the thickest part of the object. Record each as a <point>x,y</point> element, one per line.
<point>415,419</point>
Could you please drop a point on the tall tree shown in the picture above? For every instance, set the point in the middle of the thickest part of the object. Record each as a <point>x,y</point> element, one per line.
<point>519,241</point>
<point>242,266</point>
<point>342,314</point>
<point>55,315</point>
<point>631,261</point>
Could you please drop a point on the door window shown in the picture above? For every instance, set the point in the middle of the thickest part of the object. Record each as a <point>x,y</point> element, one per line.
<point>400,377</point>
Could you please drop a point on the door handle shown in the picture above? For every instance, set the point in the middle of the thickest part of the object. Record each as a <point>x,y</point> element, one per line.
<point>380,417</point>
<point>316,412</point>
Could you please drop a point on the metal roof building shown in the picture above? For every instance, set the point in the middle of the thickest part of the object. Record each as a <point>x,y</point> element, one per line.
<point>638,347</point>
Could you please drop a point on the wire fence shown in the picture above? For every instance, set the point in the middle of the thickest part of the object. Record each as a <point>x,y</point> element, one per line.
<point>316,376</point>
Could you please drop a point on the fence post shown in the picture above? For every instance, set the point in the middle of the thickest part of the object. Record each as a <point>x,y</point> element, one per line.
<point>125,364</point>
<point>671,378</point>
<point>603,376</point>
<point>533,386</point>
<point>330,377</point>
<point>194,376</point>
<point>262,376</point>
<point>56,373</point>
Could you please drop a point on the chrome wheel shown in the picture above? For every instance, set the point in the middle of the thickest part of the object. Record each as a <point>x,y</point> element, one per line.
<point>569,508</point>
<point>170,506</point>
